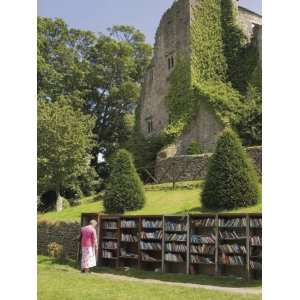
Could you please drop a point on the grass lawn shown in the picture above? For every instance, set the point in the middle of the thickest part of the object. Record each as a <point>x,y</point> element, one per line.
<point>160,199</point>
<point>64,282</point>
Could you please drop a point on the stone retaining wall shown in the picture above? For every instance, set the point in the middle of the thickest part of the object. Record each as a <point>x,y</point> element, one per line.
<point>59,232</point>
<point>192,167</point>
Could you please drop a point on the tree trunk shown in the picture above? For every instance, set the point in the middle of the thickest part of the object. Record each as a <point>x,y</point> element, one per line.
<point>59,201</point>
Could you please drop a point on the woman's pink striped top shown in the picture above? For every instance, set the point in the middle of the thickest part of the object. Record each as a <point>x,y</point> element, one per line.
<point>88,236</point>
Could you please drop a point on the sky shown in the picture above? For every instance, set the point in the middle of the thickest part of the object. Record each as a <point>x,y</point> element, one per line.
<point>98,15</point>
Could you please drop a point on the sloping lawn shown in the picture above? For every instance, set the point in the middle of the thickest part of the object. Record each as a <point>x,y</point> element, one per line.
<point>160,199</point>
<point>63,282</point>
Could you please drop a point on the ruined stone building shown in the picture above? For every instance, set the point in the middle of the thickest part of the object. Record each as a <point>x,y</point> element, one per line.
<point>173,37</point>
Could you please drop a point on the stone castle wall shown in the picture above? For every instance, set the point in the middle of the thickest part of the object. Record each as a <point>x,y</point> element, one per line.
<point>60,232</point>
<point>173,38</point>
<point>193,167</point>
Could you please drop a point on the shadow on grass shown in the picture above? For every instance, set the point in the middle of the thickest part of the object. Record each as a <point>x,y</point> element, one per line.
<point>224,281</point>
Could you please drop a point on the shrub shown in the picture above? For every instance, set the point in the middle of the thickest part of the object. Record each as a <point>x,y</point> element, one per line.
<point>125,190</point>
<point>56,250</point>
<point>194,148</point>
<point>231,180</point>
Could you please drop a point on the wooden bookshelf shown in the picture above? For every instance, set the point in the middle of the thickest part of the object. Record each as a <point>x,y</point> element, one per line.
<point>151,236</point>
<point>232,256</point>
<point>109,241</point>
<point>202,244</point>
<point>129,252</point>
<point>176,244</point>
<point>211,244</point>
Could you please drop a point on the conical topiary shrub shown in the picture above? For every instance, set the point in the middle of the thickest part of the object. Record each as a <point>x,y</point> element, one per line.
<point>231,181</point>
<point>125,190</point>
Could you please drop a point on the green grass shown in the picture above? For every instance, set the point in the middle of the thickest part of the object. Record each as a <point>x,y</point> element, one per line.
<point>64,282</point>
<point>160,199</point>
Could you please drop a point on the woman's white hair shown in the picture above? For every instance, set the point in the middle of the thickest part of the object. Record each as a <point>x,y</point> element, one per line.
<point>93,222</point>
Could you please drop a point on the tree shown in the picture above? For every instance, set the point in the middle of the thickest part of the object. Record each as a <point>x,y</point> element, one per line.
<point>231,181</point>
<point>65,141</point>
<point>125,190</point>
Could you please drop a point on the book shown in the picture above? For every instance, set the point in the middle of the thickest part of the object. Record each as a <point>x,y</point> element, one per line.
<point>173,257</point>
<point>129,238</point>
<point>110,245</point>
<point>174,226</point>
<point>233,249</point>
<point>107,254</point>
<point>175,237</point>
<point>110,225</point>
<point>125,253</point>
<point>230,235</point>
<point>205,222</point>
<point>150,246</point>
<point>232,260</point>
<point>199,239</point>
<point>256,222</point>
<point>152,223</point>
<point>128,224</point>
<point>154,235</point>
<point>175,247</point>
<point>203,249</point>
<point>232,222</point>
<point>255,241</point>
<point>255,265</point>
<point>147,257</point>
<point>196,259</point>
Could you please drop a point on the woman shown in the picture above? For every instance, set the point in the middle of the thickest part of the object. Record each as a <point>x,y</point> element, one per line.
<point>89,246</point>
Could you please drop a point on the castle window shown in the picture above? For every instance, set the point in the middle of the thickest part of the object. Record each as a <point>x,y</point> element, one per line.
<point>149,125</point>
<point>170,62</point>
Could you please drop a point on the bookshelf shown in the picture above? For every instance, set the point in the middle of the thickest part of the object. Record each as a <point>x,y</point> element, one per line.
<point>129,241</point>
<point>175,244</point>
<point>255,246</point>
<point>203,244</point>
<point>109,241</point>
<point>151,246</point>
<point>211,244</point>
<point>232,256</point>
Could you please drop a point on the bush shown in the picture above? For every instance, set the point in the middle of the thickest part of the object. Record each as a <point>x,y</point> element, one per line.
<point>194,148</point>
<point>231,180</point>
<point>125,190</point>
<point>56,250</point>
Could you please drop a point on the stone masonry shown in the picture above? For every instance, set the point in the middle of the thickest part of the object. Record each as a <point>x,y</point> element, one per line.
<point>173,39</point>
<point>60,232</point>
<point>192,167</point>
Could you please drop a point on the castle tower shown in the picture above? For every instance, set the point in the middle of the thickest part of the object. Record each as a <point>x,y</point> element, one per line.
<point>173,39</point>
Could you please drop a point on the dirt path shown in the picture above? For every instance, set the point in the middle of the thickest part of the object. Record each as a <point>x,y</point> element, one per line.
<point>254,291</point>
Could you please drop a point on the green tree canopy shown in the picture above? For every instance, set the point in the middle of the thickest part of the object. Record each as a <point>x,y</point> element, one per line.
<point>65,140</point>
<point>231,181</point>
<point>125,190</point>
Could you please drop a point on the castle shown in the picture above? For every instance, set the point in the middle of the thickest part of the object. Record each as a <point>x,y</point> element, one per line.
<point>173,38</point>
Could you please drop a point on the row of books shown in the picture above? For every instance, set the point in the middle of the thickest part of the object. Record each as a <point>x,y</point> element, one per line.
<point>107,254</point>
<point>199,239</point>
<point>147,257</point>
<point>255,241</point>
<point>203,249</point>
<point>233,249</point>
<point>128,238</point>
<point>175,237</point>
<point>110,225</point>
<point>110,235</point>
<point>175,247</point>
<point>173,257</point>
<point>152,223</point>
<point>110,245</point>
<point>125,253</point>
<point>255,265</point>
<point>154,235</point>
<point>150,246</point>
<point>196,259</point>
<point>233,222</point>
<point>232,260</point>
<point>128,224</point>
<point>256,222</point>
<point>230,235</point>
<point>206,222</point>
<point>173,226</point>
